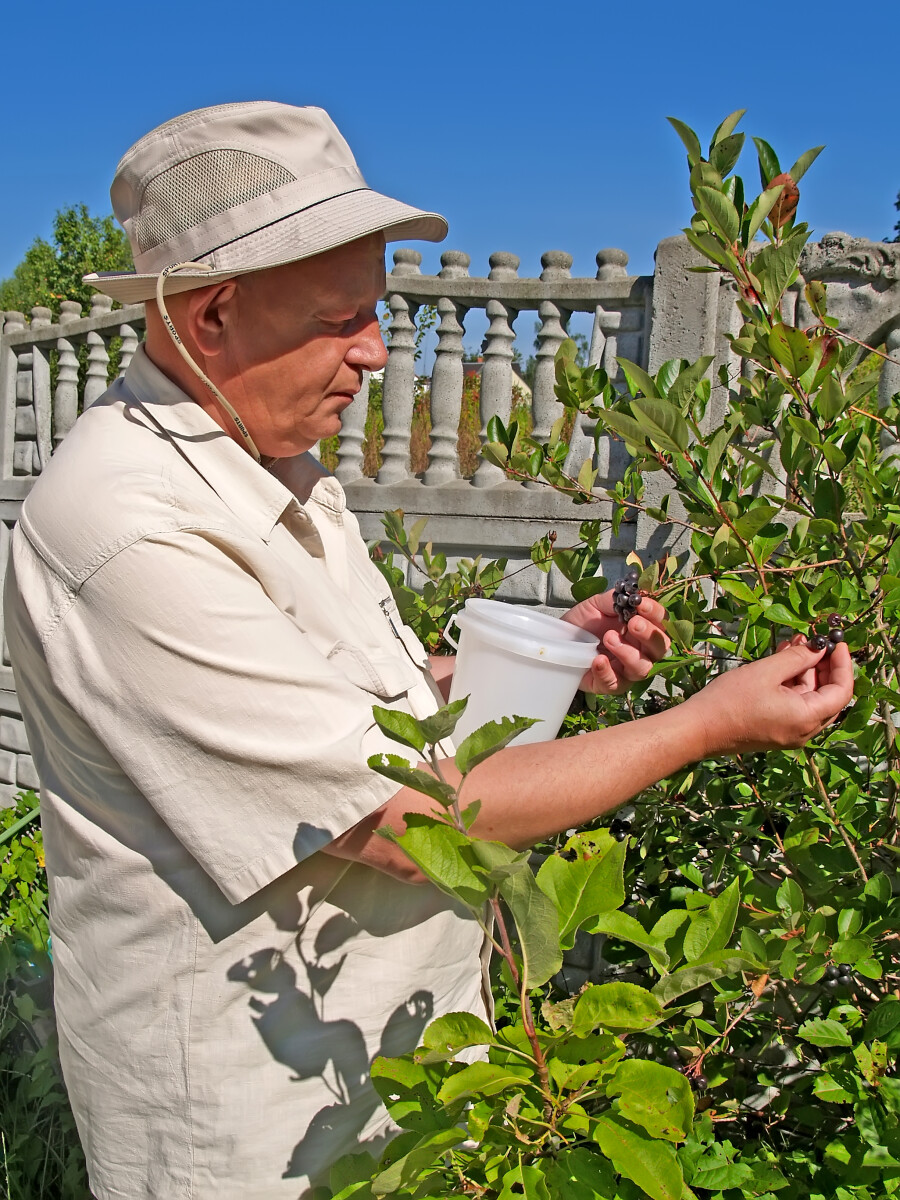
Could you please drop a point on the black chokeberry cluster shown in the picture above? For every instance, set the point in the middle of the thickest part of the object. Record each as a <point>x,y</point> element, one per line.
<point>619,828</point>
<point>827,642</point>
<point>838,979</point>
<point>627,596</point>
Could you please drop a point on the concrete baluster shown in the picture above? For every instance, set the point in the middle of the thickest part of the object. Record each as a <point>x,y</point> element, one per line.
<point>889,386</point>
<point>130,342</point>
<point>447,377</point>
<point>545,407</point>
<point>14,322</point>
<point>399,374</point>
<point>97,379</point>
<point>353,432</point>
<point>38,426</point>
<point>496,373</point>
<point>23,414</point>
<point>65,399</point>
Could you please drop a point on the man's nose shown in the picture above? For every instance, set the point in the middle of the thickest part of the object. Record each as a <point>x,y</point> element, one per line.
<point>368,350</point>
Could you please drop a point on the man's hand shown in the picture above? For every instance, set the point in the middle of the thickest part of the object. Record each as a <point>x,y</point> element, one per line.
<point>627,653</point>
<point>778,702</point>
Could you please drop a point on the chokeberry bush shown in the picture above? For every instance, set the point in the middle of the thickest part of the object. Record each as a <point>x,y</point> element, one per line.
<point>739,1031</point>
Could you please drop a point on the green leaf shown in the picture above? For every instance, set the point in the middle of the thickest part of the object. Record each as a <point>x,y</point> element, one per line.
<point>716,966</point>
<point>482,1078</point>
<point>779,615</point>
<point>791,347</point>
<point>727,127</point>
<point>830,402</point>
<point>725,154</point>
<point>663,424</point>
<point>391,766</point>
<point>536,925</point>
<point>626,427</point>
<point>488,739</point>
<point>399,727</point>
<point>496,453</point>
<point>617,1008</point>
<point>720,212</point>
<point>768,161</point>
<point>710,929</point>
<point>760,209</point>
<point>525,1181</point>
<point>776,266</point>
<point>689,139</point>
<point>755,519</point>
<point>580,890</point>
<point>883,1019</point>
<point>657,1098</point>
<point>627,929</point>
<point>649,1163</point>
<point>407,1169</point>
<point>685,385</point>
<point>804,162</point>
<point>440,852</point>
<point>825,1033</point>
<point>589,585</point>
<point>637,379</point>
<point>445,1037</point>
<point>442,723</point>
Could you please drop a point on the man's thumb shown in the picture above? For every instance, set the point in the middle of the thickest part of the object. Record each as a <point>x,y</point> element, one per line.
<point>793,661</point>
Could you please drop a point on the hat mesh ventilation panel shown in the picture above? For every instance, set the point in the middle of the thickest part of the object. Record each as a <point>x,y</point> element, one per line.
<point>202,187</point>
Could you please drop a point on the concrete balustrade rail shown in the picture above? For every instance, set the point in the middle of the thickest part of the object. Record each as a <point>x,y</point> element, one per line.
<point>674,313</point>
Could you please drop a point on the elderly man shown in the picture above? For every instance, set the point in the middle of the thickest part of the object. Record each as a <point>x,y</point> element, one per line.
<point>198,638</point>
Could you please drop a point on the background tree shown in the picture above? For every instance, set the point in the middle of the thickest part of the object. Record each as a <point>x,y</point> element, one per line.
<point>51,271</point>
<point>896,238</point>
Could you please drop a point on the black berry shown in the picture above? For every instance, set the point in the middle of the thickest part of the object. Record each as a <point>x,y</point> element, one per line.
<point>673,1057</point>
<point>817,642</point>
<point>835,635</point>
<point>831,971</point>
<point>835,621</point>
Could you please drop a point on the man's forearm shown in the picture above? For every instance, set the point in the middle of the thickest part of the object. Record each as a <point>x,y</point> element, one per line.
<point>530,792</point>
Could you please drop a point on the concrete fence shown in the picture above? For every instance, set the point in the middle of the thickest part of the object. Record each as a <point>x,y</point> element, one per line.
<point>675,313</point>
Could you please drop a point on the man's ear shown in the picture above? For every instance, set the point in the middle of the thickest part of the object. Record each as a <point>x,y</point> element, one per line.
<point>208,313</point>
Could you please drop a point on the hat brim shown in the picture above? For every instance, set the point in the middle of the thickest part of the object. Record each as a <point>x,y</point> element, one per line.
<point>323,226</point>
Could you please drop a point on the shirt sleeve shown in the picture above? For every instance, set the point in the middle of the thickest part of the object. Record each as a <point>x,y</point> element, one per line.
<point>248,741</point>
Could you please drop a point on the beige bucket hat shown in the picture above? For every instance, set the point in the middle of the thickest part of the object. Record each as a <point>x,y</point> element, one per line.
<point>242,187</point>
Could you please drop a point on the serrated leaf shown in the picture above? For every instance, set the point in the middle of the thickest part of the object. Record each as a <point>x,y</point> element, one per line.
<point>391,766</point>
<point>399,727</point>
<point>646,1161</point>
<point>824,1033</point>
<point>617,1008</point>
<point>445,1037</point>
<point>536,924</point>
<point>628,929</point>
<point>583,888</point>
<point>657,1098</point>
<point>442,723</point>
<point>488,739</point>
<point>408,1168</point>
<point>481,1078</point>
<point>717,966</point>
<point>711,928</point>
<point>439,851</point>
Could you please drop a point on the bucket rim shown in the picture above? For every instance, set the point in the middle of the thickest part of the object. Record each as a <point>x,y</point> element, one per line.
<point>574,653</point>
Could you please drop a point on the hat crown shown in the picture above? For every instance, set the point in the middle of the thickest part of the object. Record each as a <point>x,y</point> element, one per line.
<point>209,176</point>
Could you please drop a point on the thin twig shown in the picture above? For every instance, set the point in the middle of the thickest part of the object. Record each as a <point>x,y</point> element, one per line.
<point>836,821</point>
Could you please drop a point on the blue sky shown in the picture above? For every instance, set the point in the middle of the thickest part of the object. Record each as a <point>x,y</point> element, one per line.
<point>532,127</point>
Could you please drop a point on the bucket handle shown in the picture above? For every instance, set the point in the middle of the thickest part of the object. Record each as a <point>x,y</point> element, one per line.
<point>446,634</point>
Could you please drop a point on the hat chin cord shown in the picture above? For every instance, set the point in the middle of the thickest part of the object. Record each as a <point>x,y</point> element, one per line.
<point>182,350</point>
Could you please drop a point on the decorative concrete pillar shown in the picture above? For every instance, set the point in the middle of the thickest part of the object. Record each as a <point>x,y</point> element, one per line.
<point>399,374</point>
<point>41,318</point>
<point>496,373</point>
<point>130,342</point>
<point>353,432</point>
<point>97,379</point>
<point>447,377</point>
<point>65,399</point>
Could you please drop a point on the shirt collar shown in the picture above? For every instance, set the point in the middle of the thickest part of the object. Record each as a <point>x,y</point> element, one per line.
<point>250,490</point>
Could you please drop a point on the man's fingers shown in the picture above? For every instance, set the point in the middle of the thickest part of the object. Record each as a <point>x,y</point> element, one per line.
<point>635,663</point>
<point>647,637</point>
<point>652,610</point>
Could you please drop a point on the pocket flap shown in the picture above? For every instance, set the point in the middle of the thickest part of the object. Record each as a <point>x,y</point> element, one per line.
<point>385,675</point>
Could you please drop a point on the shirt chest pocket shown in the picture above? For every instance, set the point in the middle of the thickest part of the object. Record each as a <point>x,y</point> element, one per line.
<point>386,673</point>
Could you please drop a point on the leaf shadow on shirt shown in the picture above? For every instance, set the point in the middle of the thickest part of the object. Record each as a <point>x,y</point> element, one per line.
<point>290,1013</point>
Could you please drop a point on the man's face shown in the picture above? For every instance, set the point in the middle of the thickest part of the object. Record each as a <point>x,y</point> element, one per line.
<point>297,343</point>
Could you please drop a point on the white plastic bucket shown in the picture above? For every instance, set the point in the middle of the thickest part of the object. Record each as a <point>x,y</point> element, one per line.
<point>514,661</point>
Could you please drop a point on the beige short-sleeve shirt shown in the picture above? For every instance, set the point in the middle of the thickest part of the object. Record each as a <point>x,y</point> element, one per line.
<point>197,644</point>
